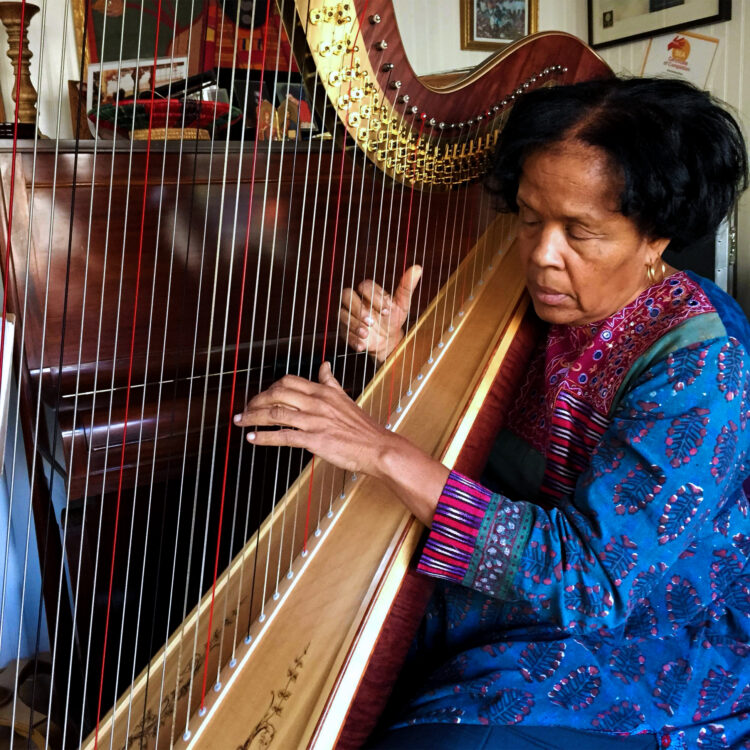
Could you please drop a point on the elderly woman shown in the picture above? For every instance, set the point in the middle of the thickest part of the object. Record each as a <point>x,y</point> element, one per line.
<point>598,587</point>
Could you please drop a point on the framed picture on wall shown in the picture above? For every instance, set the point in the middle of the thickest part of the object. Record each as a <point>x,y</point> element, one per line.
<point>204,29</point>
<point>495,24</point>
<point>617,21</point>
<point>116,31</point>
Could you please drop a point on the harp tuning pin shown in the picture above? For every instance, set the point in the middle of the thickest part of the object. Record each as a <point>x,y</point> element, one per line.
<point>519,91</point>
<point>533,79</point>
<point>387,67</point>
<point>480,117</point>
<point>545,72</point>
<point>461,124</point>
<point>496,108</point>
<point>414,110</point>
<point>434,122</point>
<point>381,45</point>
<point>526,85</point>
<point>504,103</point>
<point>403,99</point>
<point>395,84</point>
<point>375,18</point>
<point>564,70</point>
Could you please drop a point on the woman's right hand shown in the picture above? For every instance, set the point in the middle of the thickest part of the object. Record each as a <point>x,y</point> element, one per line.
<point>372,320</point>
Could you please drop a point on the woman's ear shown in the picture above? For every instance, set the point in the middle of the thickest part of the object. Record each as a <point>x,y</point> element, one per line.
<point>656,248</point>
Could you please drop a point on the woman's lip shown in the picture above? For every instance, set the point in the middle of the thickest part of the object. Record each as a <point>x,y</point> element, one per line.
<point>546,295</point>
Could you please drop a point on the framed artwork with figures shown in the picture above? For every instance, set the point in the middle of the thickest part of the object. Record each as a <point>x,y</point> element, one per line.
<point>493,25</point>
<point>201,30</point>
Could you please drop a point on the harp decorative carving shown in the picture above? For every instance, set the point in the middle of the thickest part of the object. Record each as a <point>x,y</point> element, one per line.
<point>199,592</point>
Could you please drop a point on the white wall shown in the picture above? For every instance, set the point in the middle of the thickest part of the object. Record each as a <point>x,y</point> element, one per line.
<point>729,79</point>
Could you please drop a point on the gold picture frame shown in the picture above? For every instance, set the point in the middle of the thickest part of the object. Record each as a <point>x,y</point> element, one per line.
<point>492,25</point>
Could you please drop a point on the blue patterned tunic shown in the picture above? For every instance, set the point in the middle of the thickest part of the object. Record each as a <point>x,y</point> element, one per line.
<point>612,592</point>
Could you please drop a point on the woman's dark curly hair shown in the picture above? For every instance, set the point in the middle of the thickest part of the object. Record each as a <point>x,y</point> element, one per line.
<point>682,157</point>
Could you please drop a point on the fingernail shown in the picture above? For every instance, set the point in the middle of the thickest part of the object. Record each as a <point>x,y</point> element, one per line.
<point>362,333</point>
<point>369,320</point>
<point>385,312</point>
<point>250,436</point>
<point>360,347</point>
<point>237,418</point>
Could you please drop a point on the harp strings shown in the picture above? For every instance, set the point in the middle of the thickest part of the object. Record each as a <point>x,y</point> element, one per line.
<point>159,400</point>
<point>277,337</point>
<point>401,231</point>
<point>3,344</point>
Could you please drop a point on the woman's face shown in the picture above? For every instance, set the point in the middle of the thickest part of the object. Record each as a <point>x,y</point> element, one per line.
<point>583,259</point>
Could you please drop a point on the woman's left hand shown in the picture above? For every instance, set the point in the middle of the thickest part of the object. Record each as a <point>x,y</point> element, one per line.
<point>323,419</point>
<point>319,417</point>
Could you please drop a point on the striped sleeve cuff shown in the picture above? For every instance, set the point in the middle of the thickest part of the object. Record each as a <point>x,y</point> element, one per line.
<point>455,528</point>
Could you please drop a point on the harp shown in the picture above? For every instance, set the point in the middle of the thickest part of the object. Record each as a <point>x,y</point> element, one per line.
<point>198,592</point>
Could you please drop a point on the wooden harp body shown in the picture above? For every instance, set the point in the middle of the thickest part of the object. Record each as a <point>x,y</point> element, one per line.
<point>127,357</point>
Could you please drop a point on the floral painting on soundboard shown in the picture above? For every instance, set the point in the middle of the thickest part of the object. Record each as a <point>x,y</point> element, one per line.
<point>494,24</point>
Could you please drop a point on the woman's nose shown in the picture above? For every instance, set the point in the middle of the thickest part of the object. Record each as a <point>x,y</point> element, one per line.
<point>549,247</point>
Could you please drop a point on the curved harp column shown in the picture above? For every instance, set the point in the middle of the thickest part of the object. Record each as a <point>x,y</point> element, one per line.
<point>288,681</point>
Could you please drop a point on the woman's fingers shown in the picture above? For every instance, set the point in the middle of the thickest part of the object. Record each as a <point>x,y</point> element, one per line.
<point>291,392</point>
<point>317,416</point>
<point>325,377</point>
<point>407,285</point>
<point>291,402</point>
<point>357,308</point>
<point>280,438</point>
<point>353,325</point>
<point>374,297</point>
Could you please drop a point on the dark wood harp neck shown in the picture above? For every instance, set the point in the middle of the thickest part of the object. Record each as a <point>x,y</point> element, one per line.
<point>115,393</point>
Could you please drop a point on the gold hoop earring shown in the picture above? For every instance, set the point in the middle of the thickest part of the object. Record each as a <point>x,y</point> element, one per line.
<point>651,273</point>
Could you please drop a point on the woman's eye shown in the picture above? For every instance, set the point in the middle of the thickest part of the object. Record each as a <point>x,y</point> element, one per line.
<point>578,233</point>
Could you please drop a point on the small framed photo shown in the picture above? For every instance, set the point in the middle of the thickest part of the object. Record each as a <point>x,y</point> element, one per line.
<point>617,21</point>
<point>112,81</point>
<point>495,24</point>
